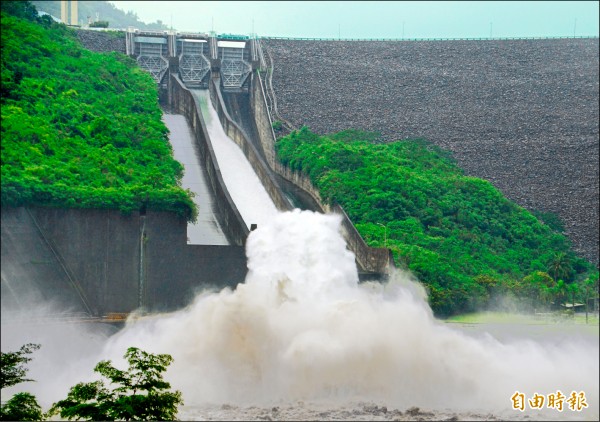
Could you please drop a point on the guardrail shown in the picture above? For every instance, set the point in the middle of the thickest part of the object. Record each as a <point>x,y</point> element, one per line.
<point>428,39</point>
<point>247,37</point>
<point>375,260</point>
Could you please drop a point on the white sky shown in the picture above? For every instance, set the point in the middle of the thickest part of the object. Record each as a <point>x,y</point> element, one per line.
<point>375,19</point>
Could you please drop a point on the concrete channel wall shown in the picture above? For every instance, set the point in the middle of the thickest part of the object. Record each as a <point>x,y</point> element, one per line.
<point>237,134</point>
<point>182,101</point>
<point>274,175</point>
<point>101,261</point>
<point>370,259</point>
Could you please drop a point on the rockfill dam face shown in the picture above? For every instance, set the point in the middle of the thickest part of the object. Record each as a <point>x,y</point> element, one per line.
<point>522,114</point>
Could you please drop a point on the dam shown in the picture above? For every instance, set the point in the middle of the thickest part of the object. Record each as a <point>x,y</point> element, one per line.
<point>299,328</point>
<point>521,113</point>
<point>196,69</point>
<point>104,265</point>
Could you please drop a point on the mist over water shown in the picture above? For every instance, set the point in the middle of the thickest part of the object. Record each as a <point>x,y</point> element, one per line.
<point>301,328</point>
<point>68,353</point>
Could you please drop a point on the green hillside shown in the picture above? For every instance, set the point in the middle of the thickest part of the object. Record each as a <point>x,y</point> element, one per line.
<point>80,129</point>
<point>461,237</point>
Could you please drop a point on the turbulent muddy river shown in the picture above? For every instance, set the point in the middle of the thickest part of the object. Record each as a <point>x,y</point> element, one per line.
<point>302,339</point>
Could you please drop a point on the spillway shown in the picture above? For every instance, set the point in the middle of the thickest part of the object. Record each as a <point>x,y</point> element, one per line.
<point>248,193</point>
<point>206,230</point>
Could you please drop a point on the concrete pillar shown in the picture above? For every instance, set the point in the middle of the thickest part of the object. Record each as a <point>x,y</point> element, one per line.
<point>64,11</point>
<point>68,12</point>
<point>254,58</point>
<point>172,43</point>
<point>215,62</point>
<point>74,14</point>
<point>129,41</point>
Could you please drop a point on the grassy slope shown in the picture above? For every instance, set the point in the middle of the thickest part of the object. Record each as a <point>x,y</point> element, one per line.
<point>81,129</point>
<point>458,234</point>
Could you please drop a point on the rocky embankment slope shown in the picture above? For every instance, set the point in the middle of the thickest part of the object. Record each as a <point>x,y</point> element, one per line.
<point>101,41</point>
<point>522,114</point>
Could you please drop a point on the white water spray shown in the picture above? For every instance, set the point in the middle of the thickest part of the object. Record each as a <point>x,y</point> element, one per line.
<point>302,328</point>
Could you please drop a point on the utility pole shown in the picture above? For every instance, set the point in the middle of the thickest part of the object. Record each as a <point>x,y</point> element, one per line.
<point>575,28</point>
<point>339,31</point>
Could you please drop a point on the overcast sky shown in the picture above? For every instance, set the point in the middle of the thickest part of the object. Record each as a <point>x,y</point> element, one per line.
<point>375,19</point>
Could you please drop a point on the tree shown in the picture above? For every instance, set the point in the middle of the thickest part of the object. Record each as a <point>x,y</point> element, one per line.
<point>539,287</point>
<point>99,24</point>
<point>141,394</point>
<point>20,9</point>
<point>560,266</point>
<point>11,363</point>
<point>21,406</point>
<point>590,291</point>
<point>446,227</point>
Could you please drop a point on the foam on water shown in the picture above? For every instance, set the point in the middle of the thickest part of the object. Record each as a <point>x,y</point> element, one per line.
<point>302,328</point>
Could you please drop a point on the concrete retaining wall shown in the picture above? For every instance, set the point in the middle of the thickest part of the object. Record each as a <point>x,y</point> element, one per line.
<point>236,133</point>
<point>101,261</point>
<point>182,101</point>
<point>369,259</point>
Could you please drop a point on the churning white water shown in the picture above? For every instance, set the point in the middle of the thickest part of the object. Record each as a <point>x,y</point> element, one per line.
<point>302,328</point>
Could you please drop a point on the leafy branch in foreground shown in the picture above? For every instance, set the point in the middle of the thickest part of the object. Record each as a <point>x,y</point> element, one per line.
<point>142,394</point>
<point>21,406</point>
<point>13,371</point>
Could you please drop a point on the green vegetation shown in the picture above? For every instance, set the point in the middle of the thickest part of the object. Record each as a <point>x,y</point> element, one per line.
<point>512,318</point>
<point>99,24</point>
<point>21,406</point>
<point>141,392</point>
<point>277,125</point>
<point>103,10</point>
<point>464,240</point>
<point>80,129</point>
